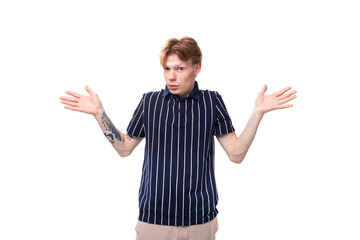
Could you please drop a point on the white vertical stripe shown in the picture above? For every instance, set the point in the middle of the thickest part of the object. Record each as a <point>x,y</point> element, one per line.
<point>152,150</point>
<point>221,112</point>
<point>136,113</point>
<point>157,161</point>
<point>177,165</point>
<point>220,102</point>
<point>210,166</point>
<point>197,166</point>
<point>211,142</point>
<point>223,121</point>
<point>162,200</point>
<point>211,111</point>
<point>184,173</point>
<point>142,129</point>
<point>171,148</point>
<point>202,173</point>
<point>143,200</point>
<point>143,179</point>
<point>191,154</point>
<point>213,155</point>
<point>205,159</point>
<point>142,113</point>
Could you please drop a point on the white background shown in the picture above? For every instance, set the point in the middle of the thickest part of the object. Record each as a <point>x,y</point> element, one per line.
<point>61,179</point>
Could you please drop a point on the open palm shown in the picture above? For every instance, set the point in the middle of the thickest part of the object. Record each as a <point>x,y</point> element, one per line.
<point>87,104</point>
<point>264,104</point>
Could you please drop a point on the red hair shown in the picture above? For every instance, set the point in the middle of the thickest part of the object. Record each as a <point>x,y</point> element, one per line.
<point>185,48</point>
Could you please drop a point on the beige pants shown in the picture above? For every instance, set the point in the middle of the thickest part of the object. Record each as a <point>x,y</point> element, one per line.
<point>206,231</point>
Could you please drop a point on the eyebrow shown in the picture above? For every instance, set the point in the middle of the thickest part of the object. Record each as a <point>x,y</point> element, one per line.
<point>176,66</point>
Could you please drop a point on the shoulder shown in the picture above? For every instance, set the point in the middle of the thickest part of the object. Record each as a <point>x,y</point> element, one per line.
<point>150,96</point>
<point>216,99</point>
<point>213,95</point>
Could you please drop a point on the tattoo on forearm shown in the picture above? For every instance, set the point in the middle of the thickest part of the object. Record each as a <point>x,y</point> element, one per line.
<point>109,126</point>
<point>129,136</point>
<point>110,137</point>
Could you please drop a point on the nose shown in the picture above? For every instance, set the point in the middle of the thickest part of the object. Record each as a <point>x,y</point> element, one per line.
<point>171,75</point>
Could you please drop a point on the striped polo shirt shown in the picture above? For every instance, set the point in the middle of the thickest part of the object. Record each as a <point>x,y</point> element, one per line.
<point>178,183</point>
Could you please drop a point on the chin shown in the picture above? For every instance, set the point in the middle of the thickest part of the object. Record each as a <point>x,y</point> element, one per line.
<point>176,93</point>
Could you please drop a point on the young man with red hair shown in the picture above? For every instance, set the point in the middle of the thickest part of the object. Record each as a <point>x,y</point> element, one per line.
<point>178,195</point>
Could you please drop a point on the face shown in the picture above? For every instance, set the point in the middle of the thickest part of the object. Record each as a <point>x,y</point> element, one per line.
<point>180,75</point>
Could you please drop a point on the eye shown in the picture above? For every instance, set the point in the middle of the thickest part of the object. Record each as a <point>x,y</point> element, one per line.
<point>166,68</point>
<point>180,68</point>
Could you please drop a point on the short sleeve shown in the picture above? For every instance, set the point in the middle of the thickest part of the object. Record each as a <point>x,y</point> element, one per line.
<point>223,123</point>
<point>136,125</point>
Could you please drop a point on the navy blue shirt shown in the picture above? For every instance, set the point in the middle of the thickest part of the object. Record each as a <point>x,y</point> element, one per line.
<point>178,183</point>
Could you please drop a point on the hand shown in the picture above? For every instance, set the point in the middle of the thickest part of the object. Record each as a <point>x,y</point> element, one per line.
<point>264,104</point>
<point>87,104</point>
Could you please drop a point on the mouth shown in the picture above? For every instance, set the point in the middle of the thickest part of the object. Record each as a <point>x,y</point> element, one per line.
<point>173,87</point>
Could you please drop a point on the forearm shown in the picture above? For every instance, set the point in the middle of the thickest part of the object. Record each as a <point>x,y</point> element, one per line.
<point>242,144</point>
<point>117,139</point>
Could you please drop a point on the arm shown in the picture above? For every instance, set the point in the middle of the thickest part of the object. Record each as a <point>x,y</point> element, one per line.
<point>237,147</point>
<point>124,144</point>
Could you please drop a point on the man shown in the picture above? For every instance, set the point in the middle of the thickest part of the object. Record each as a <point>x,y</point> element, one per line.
<point>178,195</point>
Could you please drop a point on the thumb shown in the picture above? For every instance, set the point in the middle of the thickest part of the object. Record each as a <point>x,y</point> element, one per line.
<point>263,90</point>
<point>91,92</point>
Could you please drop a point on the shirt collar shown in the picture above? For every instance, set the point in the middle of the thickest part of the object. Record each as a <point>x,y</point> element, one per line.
<point>195,93</point>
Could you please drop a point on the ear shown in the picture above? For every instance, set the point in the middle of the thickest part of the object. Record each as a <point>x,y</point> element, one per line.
<point>197,68</point>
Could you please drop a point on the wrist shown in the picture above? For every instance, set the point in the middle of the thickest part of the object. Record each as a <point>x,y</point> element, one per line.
<point>99,112</point>
<point>258,114</point>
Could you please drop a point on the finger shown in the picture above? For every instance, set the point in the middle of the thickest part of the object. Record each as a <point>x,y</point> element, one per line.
<point>263,90</point>
<point>287,95</point>
<point>74,94</point>
<point>287,99</point>
<point>69,99</point>
<point>72,108</point>
<point>282,91</point>
<point>73,104</point>
<point>285,106</point>
<point>91,92</point>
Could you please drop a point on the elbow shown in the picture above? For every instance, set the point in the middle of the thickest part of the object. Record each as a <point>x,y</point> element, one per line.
<point>237,161</point>
<point>124,153</point>
<point>237,158</point>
